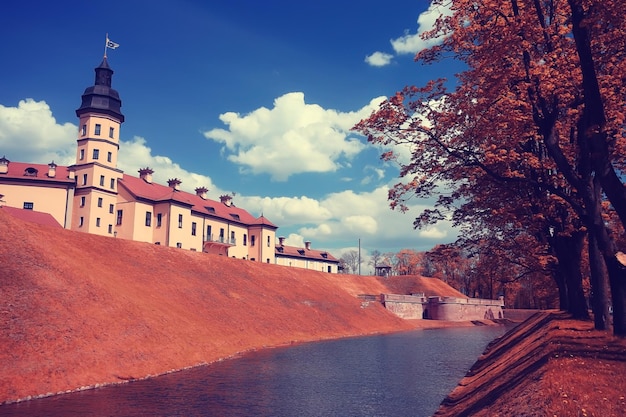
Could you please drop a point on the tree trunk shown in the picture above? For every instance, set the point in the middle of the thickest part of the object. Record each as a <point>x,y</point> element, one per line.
<point>568,251</point>
<point>599,286</point>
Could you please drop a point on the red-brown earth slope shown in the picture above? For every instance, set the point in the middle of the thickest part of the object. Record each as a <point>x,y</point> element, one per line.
<point>79,310</point>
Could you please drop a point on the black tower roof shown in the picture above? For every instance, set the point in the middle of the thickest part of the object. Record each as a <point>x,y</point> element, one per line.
<point>101,98</point>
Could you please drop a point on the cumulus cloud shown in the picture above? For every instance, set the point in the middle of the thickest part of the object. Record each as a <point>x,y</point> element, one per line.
<point>30,133</point>
<point>412,43</point>
<point>136,154</point>
<point>293,137</point>
<point>379,59</point>
<point>347,216</point>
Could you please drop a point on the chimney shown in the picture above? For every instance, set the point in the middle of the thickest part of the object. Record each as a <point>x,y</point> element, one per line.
<point>226,200</point>
<point>201,192</point>
<point>307,245</point>
<point>281,240</point>
<point>52,170</point>
<point>4,165</point>
<point>174,183</point>
<point>146,174</point>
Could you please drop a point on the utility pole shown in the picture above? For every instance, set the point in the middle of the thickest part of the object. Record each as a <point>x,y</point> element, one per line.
<point>359,256</point>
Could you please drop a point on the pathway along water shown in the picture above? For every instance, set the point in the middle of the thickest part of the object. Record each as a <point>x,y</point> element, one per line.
<point>402,374</point>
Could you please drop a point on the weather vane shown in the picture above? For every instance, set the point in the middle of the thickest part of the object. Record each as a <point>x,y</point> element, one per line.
<point>109,44</point>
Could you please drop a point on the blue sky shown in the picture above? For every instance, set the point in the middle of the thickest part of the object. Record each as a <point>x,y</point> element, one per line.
<point>246,97</point>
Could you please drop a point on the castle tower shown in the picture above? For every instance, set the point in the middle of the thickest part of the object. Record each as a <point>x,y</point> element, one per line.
<point>96,170</point>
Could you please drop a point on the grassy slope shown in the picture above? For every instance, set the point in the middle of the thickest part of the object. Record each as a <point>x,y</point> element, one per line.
<point>78,310</point>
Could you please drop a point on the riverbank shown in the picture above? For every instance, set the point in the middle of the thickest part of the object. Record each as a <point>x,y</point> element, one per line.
<point>550,365</point>
<point>81,311</point>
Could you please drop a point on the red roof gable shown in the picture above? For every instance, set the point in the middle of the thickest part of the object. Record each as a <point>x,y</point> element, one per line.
<point>160,193</point>
<point>37,172</point>
<point>262,221</point>
<point>296,252</point>
<point>31,216</point>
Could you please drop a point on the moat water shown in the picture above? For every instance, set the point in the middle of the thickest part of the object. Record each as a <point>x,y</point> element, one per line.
<point>402,374</point>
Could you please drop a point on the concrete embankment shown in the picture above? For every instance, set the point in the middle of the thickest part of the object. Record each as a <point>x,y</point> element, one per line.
<point>548,365</point>
<point>78,310</point>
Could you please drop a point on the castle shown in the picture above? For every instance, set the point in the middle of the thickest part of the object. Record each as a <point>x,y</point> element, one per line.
<point>94,196</point>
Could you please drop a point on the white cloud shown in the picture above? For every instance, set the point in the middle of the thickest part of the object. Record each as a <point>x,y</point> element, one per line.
<point>135,154</point>
<point>412,43</point>
<point>379,59</point>
<point>293,137</point>
<point>30,133</point>
<point>347,216</point>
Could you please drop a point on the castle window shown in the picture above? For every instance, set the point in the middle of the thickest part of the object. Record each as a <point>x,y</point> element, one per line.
<point>83,130</point>
<point>99,201</point>
<point>221,235</point>
<point>98,127</point>
<point>193,228</point>
<point>81,221</point>
<point>268,260</point>
<point>97,221</point>
<point>179,245</point>
<point>120,213</point>
<point>268,241</point>
<point>180,221</point>
<point>148,218</point>
<point>96,153</point>
<point>109,156</point>
<point>232,237</point>
<point>28,205</point>
<point>110,230</point>
<point>102,180</point>
<point>245,239</point>
<point>84,179</point>
<point>111,132</point>
<point>82,201</point>
<point>252,240</point>
<point>209,236</point>
<point>82,154</point>
<point>159,219</point>
<point>112,183</point>
<point>30,172</point>
<point>111,208</point>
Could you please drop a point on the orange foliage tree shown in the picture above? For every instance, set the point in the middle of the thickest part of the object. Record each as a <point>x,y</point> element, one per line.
<point>522,146</point>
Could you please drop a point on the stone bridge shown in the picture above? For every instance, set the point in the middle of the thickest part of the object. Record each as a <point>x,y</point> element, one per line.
<point>418,306</point>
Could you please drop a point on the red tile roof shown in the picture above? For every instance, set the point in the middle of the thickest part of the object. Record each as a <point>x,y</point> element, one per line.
<point>37,172</point>
<point>296,252</point>
<point>38,217</point>
<point>155,193</point>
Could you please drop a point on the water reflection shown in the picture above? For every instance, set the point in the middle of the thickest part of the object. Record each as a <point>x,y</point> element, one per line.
<point>404,374</point>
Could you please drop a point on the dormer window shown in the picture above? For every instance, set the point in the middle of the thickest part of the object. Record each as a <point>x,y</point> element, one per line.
<point>30,172</point>
<point>210,209</point>
<point>235,216</point>
<point>301,252</point>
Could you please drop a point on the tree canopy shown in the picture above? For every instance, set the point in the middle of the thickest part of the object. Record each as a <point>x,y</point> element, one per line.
<point>528,140</point>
